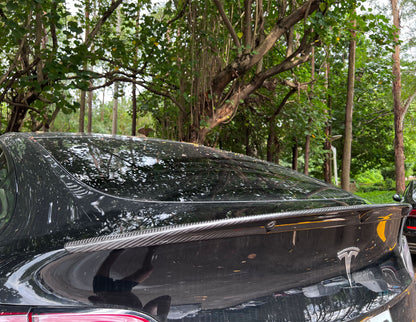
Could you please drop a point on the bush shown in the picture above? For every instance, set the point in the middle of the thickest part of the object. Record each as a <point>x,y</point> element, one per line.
<point>389,173</point>
<point>390,184</point>
<point>377,196</point>
<point>373,180</point>
<point>370,177</point>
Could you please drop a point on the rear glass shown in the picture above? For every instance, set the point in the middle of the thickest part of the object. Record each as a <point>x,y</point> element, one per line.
<point>410,193</point>
<point>170,171</point>
<point>7,192</point>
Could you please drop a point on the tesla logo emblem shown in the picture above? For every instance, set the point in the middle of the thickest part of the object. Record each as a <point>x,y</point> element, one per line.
<point>347,255</point>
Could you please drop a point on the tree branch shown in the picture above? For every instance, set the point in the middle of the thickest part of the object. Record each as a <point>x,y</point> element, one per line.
<point>242,64</point>
<point>180,14</point>
<point>228,24</point>
<point>19,51</point>
<point>247,26</point>
<point>17,75</point>
<point>283,103</point>
<point>11,103</point>
<point>52,27</point>
<point>103,19</point>
<point>300,56</point>
<point>142,84</point>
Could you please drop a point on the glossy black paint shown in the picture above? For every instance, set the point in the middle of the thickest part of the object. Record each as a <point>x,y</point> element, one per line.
<point>181,256</point>
<point>409,229</point>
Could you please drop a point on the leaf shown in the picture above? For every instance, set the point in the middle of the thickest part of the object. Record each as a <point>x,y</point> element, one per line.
<point>73,26</point>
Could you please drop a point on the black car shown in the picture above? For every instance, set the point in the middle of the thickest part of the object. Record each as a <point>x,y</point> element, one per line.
<point>409,230</point>
<point>109,228</point>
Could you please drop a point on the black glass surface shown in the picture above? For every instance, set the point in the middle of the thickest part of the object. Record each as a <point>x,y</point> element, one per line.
<point>169,171</point>
<point>7,195</point>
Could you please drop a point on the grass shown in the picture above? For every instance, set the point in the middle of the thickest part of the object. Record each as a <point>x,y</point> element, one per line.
<point>377,196</point>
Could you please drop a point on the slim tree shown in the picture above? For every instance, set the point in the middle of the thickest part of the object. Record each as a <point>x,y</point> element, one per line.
<point>346,155</point>
<point>308,136</point>
<point>43,52</point>
<point>328,127</point>
<point>399,110</point>
<point>116,84</point>
<point>134,91</point>
<point>83,94</point>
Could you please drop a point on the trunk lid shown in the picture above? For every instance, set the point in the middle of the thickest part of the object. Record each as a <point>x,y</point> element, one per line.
<point>257,268</point>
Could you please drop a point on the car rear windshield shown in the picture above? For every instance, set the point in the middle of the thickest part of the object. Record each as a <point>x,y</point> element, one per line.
<point>157,170</point>
<point>7,190</point>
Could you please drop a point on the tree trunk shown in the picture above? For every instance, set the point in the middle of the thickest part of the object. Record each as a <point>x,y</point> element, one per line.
<point>116,85</point>
<point>399,111</point>
<point>83,100</point>
<point>81,125</point>
<point>272,141</point>
<point>247,131</point>
<point>295,155</point>
<point>273,148</point>
<point>103,106</point>
<point>115,110</point>
<point>327,161</point>
<point>307,152</point>
<point>181,115</point>
<point>346,155</point>
<point>134,112</point>
<point>16,119</point>
<point>328,129</point>
<point>134,90</point>
<point>308,136</point>
<point>89,124</point>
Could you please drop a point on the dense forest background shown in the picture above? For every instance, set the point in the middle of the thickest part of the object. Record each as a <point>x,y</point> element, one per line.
<point>320,86</point>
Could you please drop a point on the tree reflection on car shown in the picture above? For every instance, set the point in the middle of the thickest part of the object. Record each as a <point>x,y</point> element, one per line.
<point>119,291</point>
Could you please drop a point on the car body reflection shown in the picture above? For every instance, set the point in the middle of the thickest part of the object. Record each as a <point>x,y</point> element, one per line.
<point>167,231</point>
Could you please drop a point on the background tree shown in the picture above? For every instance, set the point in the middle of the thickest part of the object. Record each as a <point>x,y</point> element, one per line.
<point>116,83</point>
<point>221,86</point>
<point>43,55</point>
<point>346,155</point>
<point>229,74</point>
<point>399,111</point>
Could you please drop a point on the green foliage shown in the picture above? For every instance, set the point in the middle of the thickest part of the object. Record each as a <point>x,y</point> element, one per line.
<point>102,119</point>
<point>175,50</point>
<point>377,197</point>
<point>47,42</point>
<point>369,177</point>
<point>373,117</point>
<point>388,172</point>
<point>375,180</point>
